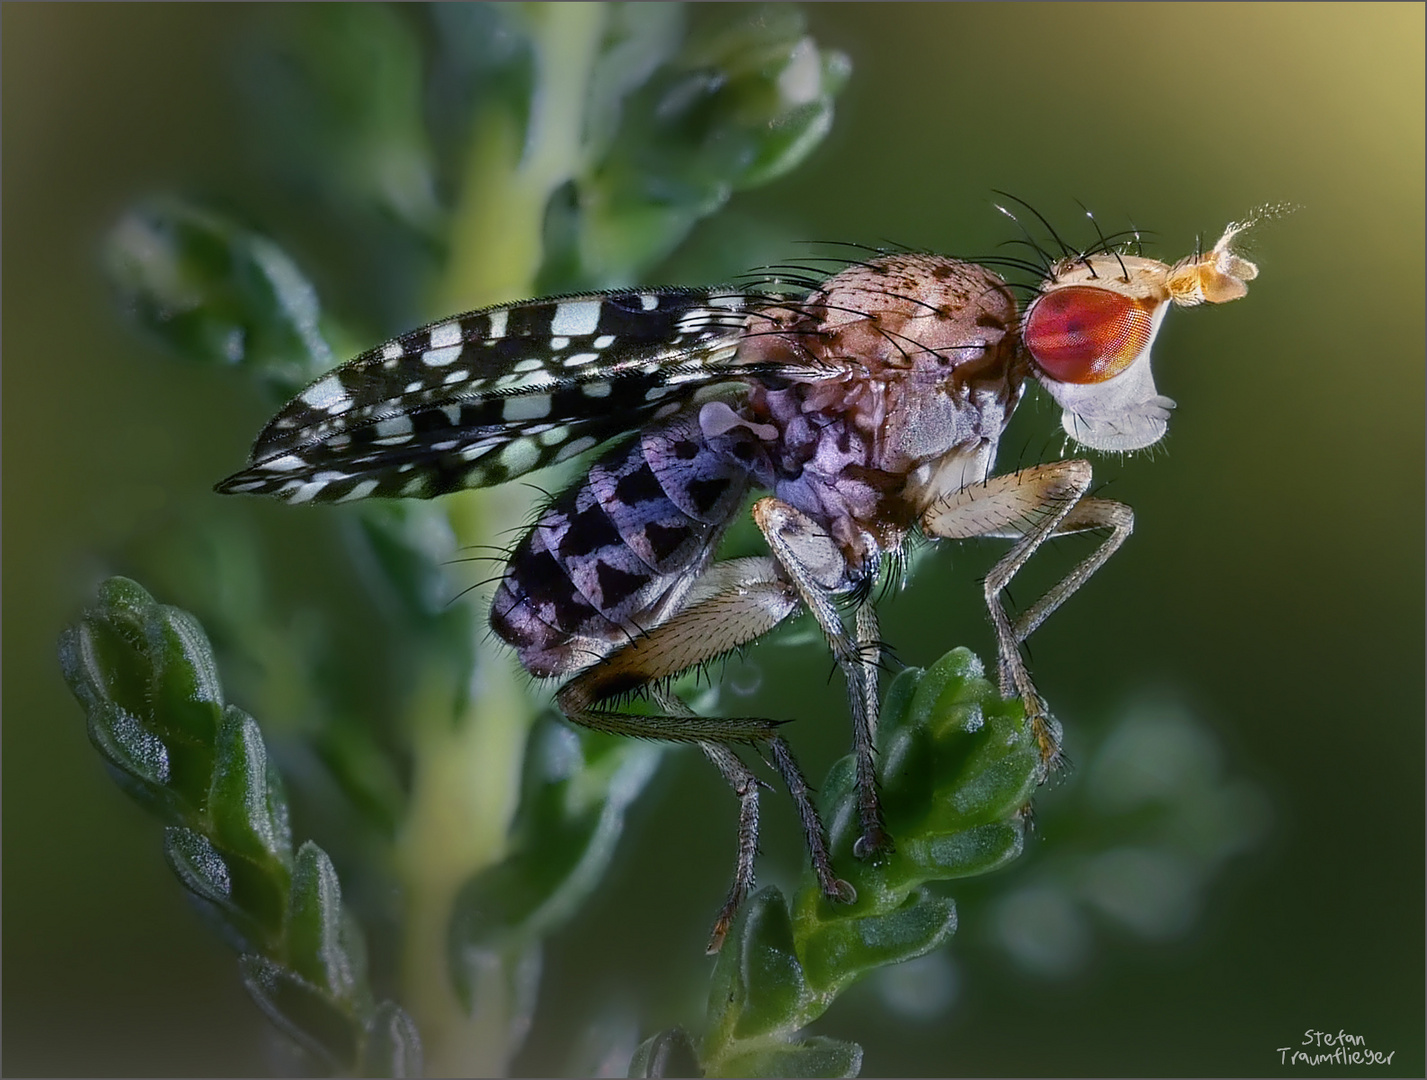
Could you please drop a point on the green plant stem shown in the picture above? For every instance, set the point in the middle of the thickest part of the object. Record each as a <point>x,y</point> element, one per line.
<point>467,759</point>
<point>497,243</point>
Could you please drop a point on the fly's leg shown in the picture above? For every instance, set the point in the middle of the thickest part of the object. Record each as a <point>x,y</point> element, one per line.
<point>817,569</point>
<point>732,603</point>
<point>833,887</point>
<point>745,785</point>
<point>1030,506</point>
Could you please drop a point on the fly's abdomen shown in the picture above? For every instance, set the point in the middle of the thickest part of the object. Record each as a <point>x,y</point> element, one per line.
<point>613,555</point>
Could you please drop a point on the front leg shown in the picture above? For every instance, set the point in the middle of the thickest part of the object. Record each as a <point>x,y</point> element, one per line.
<point>1031,506</point>
<point>818,570</point>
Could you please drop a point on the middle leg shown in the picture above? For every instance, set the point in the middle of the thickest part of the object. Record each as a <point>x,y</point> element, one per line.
<point>819,571</point>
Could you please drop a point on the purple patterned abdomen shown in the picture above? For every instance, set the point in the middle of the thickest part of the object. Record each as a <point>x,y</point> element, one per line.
<point>612,555</point>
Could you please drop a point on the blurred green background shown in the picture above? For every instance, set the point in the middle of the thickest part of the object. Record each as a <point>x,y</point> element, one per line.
<point>1273,589</point>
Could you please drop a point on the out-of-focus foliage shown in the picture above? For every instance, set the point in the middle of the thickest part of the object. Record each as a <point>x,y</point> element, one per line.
<point>487,152</point>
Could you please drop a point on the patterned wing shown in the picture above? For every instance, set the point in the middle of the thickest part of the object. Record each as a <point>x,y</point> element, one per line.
<point>478,399</point>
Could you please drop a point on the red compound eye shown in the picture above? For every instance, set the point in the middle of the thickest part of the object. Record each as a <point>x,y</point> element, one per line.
<point>1083,334</point>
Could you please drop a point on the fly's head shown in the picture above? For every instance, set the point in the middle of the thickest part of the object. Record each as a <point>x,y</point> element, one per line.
<point>1090,329</point>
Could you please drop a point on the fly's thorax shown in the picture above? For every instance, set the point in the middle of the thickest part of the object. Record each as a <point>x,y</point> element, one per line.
<point>913,358</point>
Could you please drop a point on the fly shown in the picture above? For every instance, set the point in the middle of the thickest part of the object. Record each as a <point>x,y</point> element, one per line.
<point>867,408</point>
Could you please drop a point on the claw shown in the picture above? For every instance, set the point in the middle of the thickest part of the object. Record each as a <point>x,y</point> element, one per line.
<point>1046,731</point>
<point>874,844</point>
<point>720,929</point>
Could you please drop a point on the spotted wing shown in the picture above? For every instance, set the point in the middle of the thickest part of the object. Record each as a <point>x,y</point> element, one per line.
<point>478,399</point>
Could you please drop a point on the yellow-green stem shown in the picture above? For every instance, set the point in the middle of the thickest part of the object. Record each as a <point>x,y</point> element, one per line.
<point>467,767</point>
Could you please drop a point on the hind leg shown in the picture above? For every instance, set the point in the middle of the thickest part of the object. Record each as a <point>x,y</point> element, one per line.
<point>733,603</point>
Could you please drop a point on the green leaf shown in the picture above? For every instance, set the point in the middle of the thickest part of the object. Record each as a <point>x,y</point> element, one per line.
<point>817,1056</point>
<point>411,544</point>
<point>957,768</point>
<point>316,927</point>
<point>670,1053</point>
<point>217,292</point>
<point>185,696</point>
<point>770,975</point>
<point>745,99</point>
<point>639,39</point>
<point>392,1046</point>
<point>138,759</point>
<point>343,97</point>
<point>149,684</point>
<point>101,656</point>
<point>154,665</point>
<point>245,820</point>
<point>302,1011</point>
<point>943,856</point>
<point>203,871</point>
<point>841,951</point>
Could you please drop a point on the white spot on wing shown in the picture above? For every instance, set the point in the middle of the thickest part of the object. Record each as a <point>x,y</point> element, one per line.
<point>575,446</point>
<point>648,301</point>
<point>306,492</point>
<point>396,425</point>
<point>558,343</point>
<point>604,341</point>
<point>392,350</point>
<point>519,456</point>
<point>441,357</point>
<point>596,389</point>
<point>498,321</point>
<point>361,491</point>
<point>575,317</point>
<point>445,335</point>
<point>529,365</point>
<point>528,407</point>
<point>456,376</point>
<point>581,358</point>
<point>286,463</point>
<point>327,395</point>
<point>554,436</point>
